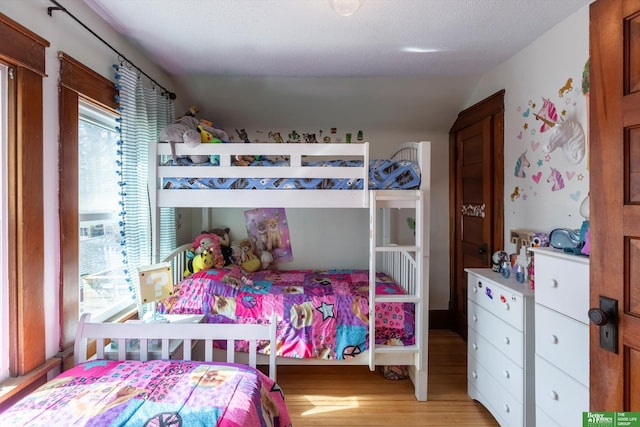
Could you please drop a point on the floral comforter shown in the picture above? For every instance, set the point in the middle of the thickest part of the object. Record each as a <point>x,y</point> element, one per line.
<point>153,393</point>
<point>321,314</point>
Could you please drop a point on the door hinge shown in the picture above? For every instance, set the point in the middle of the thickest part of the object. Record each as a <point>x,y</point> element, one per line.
<point>11,73</point>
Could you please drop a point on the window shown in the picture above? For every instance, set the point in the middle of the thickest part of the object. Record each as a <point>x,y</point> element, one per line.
<point>87,111</point>
<point>103,289</point>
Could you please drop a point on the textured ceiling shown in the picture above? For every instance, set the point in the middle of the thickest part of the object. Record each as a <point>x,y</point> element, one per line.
<point>307,38</point>
<point>278,62</point>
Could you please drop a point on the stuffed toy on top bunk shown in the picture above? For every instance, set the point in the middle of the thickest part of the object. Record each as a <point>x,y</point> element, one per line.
<point>191,132</point>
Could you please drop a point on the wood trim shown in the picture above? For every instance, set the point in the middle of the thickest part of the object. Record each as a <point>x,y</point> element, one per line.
<point>439,319</point>
<point>13,389</point>
<point>25,224</point>
<point>76,81</point>
<point>86,82</point>
<point>69,222</point>
<point>489,106</point>
<point>21,46</point>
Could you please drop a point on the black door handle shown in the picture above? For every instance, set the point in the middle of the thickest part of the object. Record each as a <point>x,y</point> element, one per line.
<point>606,318</point>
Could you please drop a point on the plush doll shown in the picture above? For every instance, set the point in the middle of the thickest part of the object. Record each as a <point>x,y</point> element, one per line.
<point>209,242</point>
<point>225,244</point>
<point>186,130</point>
<point>248,260</point>
<point>203,261</point>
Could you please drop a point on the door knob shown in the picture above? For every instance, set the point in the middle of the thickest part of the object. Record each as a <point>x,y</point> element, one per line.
<point>598,316</point>
<point>606,318</point>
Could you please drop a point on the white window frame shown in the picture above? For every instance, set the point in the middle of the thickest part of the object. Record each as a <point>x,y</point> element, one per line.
<point>91,113</point>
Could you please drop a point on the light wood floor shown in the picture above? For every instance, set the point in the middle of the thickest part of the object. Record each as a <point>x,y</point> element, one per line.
<point>332,396</point>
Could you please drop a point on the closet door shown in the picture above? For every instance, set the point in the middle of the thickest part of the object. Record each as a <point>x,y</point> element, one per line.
<point>476,140</point>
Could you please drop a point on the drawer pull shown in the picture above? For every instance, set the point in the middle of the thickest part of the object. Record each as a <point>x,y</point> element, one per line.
<point>506,374</point>
<point>506,306</point>
<point>475,290</point>
<point>506,408</point>
<point>507,340</point>
<point>475,346</point>
<point>474,374</point>
<point>475,318</point>
<point>554,339</point>
<point>553,395</point>
<point>553,283</point>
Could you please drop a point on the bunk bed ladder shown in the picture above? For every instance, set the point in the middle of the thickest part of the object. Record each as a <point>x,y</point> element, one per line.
<point>387,255</point>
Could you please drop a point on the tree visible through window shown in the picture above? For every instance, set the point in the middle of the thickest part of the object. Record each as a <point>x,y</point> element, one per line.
<point>103,287</point>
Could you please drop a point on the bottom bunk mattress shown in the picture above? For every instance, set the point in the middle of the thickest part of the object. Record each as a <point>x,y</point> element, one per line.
<point>320,313</point>
<point>153,393</point>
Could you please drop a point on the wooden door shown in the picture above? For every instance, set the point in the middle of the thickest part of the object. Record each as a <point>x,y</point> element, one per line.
<point>615,198</point>
<point>476,206</point>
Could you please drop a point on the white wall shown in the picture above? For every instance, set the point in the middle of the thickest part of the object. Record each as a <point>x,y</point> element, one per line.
<point>67,36</point>
<point>538,71</point>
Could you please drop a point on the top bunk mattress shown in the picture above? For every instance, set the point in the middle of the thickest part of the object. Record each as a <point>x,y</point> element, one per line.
<point>384,174</point>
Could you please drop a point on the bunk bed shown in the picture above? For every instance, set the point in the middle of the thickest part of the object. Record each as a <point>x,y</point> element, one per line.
<point>220,183</point>
<point>157,391</point>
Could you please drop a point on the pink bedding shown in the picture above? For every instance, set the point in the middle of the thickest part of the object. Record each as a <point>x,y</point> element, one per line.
<point>153,393</point>
<point>321,314</point>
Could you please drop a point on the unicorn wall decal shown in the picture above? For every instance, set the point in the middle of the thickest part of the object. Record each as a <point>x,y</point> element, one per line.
<point>556,177</point>
<point>547,114</point>
<point>568,135</point>
<point>521,163</point>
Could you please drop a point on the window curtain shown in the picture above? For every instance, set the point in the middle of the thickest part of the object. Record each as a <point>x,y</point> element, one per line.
<point>144,111</point>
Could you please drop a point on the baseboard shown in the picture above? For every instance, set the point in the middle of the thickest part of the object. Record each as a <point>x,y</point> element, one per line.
<point>440,319</point>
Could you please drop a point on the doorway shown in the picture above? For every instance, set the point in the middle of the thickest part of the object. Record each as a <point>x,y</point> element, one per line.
<point>476,203</point>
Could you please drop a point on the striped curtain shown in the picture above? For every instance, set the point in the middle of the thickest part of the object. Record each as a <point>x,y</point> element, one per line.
<point>144,111</point>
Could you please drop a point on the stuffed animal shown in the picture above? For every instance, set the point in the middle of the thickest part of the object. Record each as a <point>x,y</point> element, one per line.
<point>248,260</point>
<point>209,242</point>
<point>202,261</point>
<point>225,244</point>
<point>185,130</point>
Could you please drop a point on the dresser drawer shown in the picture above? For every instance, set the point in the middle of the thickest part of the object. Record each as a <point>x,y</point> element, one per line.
<point>497,298</point>
<point>543,419</point>
<point>506,373</point>
<point>563,341</point>
<point>562,283</point>
<point>502,336</point>
<point>498,401</point>
<point>559,396</point>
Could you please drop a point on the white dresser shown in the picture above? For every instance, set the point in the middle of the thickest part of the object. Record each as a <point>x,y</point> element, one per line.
<point>562,337</point>
<point>500,356</point>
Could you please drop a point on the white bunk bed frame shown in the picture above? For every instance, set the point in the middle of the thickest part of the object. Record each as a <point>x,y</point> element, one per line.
<point>188,333</point>
<point>407,265</point>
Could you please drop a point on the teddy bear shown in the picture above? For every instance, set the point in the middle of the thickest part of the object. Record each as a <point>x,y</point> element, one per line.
<point>248,260</point>
<point>189,130</point>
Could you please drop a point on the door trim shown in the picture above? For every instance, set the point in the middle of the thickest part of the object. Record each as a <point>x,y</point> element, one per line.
<point>490,106</point>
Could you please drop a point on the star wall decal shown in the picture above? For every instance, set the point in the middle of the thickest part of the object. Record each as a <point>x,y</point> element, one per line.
<point>539,162</point>
<point>547,158</point>
<point>526,126</point>
<point>326,310</point>
<point>580,177</point>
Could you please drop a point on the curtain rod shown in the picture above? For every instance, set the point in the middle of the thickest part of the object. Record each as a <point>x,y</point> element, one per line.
<point>59,7</point>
